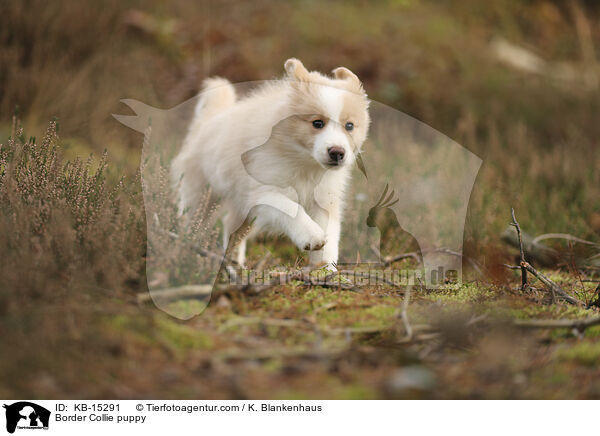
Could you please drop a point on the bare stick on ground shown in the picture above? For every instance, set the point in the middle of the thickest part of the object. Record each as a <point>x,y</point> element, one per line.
<point>404,314</point>
<point>595,300</point>
<point>201,292</point>
<point>388,260</point>
<point>515,223</point>
<point>553,287</point>
<point>510,266</point>
<point>578,324</point>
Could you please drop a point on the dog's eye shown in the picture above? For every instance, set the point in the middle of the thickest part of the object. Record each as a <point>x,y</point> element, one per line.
<point>349,126</point>
<point>318,124</point>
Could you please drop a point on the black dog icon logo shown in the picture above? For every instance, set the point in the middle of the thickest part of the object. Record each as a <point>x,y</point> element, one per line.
<point>26,415</point>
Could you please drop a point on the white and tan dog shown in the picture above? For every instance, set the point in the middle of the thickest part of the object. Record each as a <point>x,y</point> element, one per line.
<point>281,156</point>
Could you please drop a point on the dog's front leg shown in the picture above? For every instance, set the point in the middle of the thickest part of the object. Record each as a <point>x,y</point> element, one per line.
<point>329,220</point>
<point>276,212</point>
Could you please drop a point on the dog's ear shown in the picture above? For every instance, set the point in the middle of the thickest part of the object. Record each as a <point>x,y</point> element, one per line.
<point>296,70</point>
<point>343,73</point>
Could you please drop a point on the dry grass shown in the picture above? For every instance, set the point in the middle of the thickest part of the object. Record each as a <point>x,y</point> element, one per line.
<point>537,136</point>
<point>66,236</point>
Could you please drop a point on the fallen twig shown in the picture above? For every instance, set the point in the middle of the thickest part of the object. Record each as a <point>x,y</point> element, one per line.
<point>221,257</point>
<point>578,324</point>
<point>404,313</point>
<point>536,251</point>
<point>595,300</point>
<point>388,260</point>
<point>279,353</point>
<point>476,319</point>
<point>563,236</point>
<point>179,293</point>
<point>419,338</point>
<point>553,287</point>
<point>359,274</point>
<point>471,262</point>
<point>311,324</point>
<point>278,322</point>
<point>199,292</point>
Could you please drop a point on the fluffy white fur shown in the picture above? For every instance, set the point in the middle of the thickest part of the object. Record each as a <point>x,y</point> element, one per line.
<point>266,161</point>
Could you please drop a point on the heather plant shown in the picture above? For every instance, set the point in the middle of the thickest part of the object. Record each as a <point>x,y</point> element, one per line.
<point>61,224</point>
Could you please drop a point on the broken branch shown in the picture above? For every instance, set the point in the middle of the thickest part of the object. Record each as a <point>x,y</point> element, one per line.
<point>554,288</point>
<point>515,223</point>
<point>578,324</point>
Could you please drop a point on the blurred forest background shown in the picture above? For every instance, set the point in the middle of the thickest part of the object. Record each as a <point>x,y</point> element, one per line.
<point>516,82</point>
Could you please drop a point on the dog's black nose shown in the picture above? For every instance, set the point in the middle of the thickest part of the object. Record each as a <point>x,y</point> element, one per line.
<point>336,153</point>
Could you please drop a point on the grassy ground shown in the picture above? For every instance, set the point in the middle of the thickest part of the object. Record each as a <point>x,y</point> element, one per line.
<point>73,247</point>
<point>72,235</point>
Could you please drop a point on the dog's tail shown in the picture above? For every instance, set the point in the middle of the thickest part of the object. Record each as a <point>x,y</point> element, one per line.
<point>217,95</point>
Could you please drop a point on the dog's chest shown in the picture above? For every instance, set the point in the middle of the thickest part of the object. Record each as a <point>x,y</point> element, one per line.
<point>304,189</point>
<point>321,190</point>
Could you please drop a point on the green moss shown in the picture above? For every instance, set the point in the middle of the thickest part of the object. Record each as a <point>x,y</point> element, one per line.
<point>186,309</point>
<point>355,392</point>
<point>161,329</point>
<point>584,353</point>
<point>178,336</point>
<point>592,332</point>
<point>558,276</point>
<point>465,293</point>
<point>559,378</point>
<point>381,312</point>
<point>129,329</point>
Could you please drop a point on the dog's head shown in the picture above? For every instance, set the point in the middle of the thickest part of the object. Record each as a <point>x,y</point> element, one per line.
<point>330,114</point>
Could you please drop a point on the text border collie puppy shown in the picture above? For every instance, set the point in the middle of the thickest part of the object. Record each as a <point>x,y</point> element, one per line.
<point>280,157</point>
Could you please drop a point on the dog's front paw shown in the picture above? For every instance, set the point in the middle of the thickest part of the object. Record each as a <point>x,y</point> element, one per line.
<point>316,245</point>
<point>314,240</point>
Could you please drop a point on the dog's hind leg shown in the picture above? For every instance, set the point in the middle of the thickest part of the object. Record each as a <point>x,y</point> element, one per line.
<point>235,234</point>
<point>241,251</point>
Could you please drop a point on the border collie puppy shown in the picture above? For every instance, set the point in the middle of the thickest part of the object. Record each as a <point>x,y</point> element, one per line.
<point>280,157</point>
